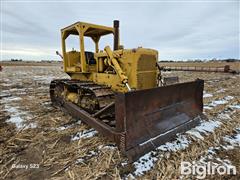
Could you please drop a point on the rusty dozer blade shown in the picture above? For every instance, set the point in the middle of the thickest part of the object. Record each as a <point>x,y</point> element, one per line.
<point>152,117</point>
<point>144,119</point>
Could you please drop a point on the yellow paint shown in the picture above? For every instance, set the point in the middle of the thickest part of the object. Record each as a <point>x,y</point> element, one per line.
<point>137,67</point>
<point>73,97</point>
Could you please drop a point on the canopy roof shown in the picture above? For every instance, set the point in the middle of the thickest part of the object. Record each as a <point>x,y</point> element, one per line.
<point>91,30</point>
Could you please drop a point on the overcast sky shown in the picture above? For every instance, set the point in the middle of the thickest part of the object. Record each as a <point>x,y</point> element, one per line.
<point>186,30</point>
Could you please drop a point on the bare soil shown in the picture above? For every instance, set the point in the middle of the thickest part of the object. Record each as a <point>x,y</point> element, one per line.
<point>49,144</point>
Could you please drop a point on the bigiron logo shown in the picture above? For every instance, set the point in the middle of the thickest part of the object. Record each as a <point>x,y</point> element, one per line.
<point>201,171</point>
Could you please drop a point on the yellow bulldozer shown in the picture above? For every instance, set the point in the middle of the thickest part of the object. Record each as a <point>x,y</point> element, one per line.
<point>118,92</point>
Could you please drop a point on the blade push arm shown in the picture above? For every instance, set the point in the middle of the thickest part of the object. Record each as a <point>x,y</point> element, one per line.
<point>113,61</point>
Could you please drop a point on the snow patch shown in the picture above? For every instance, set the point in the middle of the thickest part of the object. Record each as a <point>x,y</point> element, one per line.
<point>207,126</point>
<point>17,120</point>
<point>84,134</point>
<point>229,97</point>
<point>206,95</point>
<point>130,176</point>
<point>207,107</point>
<point>112,147</point>
<point>31,126</point>
<point>4,95</point>
<point>218,102</point>
<point>220,91</point>
<point>62,128</point>
<point>14,116</point>
<point>180,143</point>
<point>224,116</point>
<point>195,134</point>
<point>209,156</point>
<point>211,150</point>
<point>237,106</point>
<point>233,141</point>
<point>80,160</point>
<point>10,99</point>
<point>145,163</point>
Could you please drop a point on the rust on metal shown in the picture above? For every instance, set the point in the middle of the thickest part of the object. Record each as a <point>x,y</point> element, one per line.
<point>143,119</point>
<point>116,34</point>
<point>152,117</point>
<point>223,69</point>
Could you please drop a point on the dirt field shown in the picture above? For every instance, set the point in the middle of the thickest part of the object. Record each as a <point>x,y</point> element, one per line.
<point>30,63</point>
<point>38,141</point>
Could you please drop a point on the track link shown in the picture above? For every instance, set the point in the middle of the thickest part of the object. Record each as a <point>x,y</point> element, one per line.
<point>92,97</point>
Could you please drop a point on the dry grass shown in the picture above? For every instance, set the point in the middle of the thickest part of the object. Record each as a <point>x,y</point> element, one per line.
<point>45,138</point>
<point>30,63</point>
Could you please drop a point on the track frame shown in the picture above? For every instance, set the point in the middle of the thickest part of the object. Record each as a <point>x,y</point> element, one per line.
<point>145,119</point>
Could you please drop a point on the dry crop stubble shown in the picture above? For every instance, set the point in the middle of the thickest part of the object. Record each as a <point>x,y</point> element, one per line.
<point>66,148</point>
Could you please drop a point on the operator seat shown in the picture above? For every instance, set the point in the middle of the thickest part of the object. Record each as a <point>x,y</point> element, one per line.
<point>90,57</point>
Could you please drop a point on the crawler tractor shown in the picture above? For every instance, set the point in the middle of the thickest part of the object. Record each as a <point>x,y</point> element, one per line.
<point>118,92</point>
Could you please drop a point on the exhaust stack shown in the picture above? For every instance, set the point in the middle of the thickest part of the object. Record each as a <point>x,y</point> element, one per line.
<point>116,34</point>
